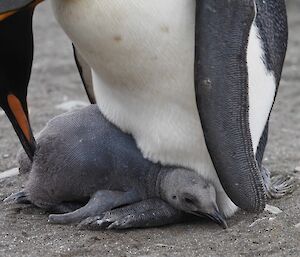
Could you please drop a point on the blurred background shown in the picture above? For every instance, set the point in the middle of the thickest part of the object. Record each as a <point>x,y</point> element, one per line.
<point>56,87</point>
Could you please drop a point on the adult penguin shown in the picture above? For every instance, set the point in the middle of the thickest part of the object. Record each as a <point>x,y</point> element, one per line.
<point>148,80</point>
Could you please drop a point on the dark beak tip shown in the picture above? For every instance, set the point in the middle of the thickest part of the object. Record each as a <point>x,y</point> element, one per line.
<point>218,218</point>
<point>224,225</point>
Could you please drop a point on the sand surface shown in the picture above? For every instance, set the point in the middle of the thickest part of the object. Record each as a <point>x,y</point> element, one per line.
<point>55,86</point>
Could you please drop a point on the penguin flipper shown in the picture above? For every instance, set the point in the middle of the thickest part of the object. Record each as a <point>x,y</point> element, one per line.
<point>8,7</point>
<point>272,24</point>
<point>85,74</point>
<point>262,145</point>
<point>234,120</point>
<point>221,81</point>
<point>16,51</point>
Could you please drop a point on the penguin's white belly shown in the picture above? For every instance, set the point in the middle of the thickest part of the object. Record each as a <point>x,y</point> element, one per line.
<point>142,56</point>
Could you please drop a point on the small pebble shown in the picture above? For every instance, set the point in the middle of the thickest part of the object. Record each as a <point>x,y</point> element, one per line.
<point>164,245</point>
<point>297,225</point>
<point>256,222</point>
<point>272,209</point>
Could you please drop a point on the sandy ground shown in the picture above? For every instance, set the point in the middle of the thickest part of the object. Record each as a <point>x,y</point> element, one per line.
<point>24,231</point>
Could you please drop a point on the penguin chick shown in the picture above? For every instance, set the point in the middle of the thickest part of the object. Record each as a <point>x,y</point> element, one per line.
<point>82,158</point>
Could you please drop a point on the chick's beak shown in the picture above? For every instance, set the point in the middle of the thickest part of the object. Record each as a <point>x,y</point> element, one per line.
<point>215,216</point>
<point>218,218</point>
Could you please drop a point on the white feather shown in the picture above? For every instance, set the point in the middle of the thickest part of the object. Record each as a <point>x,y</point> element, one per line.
<point>262,87</point>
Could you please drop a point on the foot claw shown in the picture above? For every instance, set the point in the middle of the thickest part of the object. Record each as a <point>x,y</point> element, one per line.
<point>280,186</point>
<point>92,223</point>
<point>52,218</point>
<point>123,223</point>
<point>114,219</point>
<point>277,186</point>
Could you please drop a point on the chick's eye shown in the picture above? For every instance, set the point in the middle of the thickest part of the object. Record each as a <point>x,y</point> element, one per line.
<point>174,197</point>
<point>188,200</point>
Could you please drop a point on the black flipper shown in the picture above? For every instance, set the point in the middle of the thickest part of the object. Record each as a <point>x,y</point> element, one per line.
<point>148,213</point>
<point>272,23</point>
<point>9,7</point>
<point>262,145</point>
<point>16,54</point>
<point>221,81</point>
<point>280,185</point>
<point>85,74</point>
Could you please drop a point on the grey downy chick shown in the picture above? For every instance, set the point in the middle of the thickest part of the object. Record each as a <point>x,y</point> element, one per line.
<point>89,171</point>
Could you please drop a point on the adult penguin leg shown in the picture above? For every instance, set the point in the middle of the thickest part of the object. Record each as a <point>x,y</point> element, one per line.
<point>148,213</point>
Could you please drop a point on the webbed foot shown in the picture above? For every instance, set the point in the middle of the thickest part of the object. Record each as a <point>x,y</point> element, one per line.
<point>277,186</point>
<point>147,213</point>
<point>100,202</point>
<point>18,198</point>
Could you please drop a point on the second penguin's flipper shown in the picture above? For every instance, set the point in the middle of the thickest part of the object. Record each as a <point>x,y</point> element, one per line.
<point>8,7</point>
<point>100,202</point>
<point>148,213</point>
<point>221,81</point>
<point>85,72</point>
<point>16,51</point>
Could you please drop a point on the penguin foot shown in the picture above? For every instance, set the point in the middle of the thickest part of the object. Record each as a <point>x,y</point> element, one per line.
<point>147,213</point>
<point>92,223</point>
<point>277,186</point>
<point>281,185</point>
<point>18,198</point>
<point>100,202</point>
